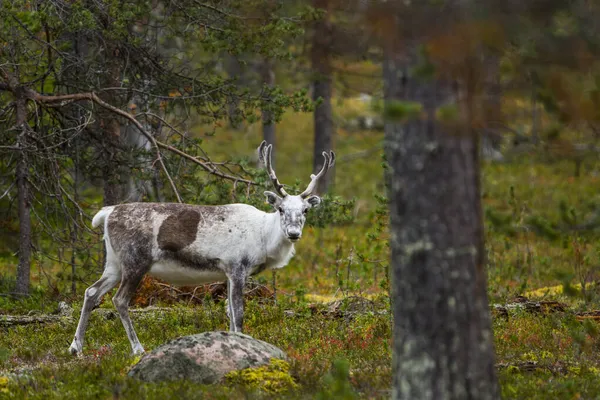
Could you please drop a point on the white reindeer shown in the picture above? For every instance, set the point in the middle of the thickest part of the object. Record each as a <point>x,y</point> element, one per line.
<point>190,245</point>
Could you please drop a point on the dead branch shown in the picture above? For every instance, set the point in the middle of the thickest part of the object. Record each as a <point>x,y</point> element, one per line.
<point>65,315</point>
<point>7,321</point>
<point>557,368</point>
<point>91,96</point>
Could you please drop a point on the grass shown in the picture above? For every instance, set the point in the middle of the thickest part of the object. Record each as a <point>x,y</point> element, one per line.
<point>311,341</point>
<point>532,209</point>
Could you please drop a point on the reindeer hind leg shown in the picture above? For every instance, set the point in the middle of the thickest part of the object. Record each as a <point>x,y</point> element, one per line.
<point>93,295</point>
<point>129,285</point>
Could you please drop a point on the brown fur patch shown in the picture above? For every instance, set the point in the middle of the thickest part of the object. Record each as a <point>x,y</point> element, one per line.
<point>179,230</point>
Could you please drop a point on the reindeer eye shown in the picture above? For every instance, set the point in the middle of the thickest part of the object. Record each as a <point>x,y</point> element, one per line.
<point>280,210</point>
<point>305,211</point>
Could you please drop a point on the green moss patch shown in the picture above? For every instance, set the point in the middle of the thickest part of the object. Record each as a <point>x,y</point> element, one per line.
<point>274,378</point>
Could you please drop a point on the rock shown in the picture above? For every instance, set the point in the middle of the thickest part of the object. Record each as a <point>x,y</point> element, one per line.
<point>489,152</point>
<point>65,310</point>
<point>204,358</point>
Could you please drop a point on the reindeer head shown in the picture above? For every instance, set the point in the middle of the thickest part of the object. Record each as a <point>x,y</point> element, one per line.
<point>292,209</point>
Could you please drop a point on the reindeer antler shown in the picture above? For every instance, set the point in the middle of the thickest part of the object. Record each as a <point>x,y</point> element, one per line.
<point>264,155</point>
<point>329,162</point>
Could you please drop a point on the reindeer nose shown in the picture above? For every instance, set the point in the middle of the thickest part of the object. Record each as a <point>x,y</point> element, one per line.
<point>294,235</point>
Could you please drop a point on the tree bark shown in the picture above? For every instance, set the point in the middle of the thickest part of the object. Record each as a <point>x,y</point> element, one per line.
<point>268,125</point>
<point>322,90</point>
<point>234,70</point>
<point>22,172</point>
<point>443,346</point>
<point>535,138</point>
<point>112,170</point>
<point>492,102</point>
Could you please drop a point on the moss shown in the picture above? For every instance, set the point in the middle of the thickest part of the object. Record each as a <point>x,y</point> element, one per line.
<point>274,378</point>
<point>551,291</point>
<point>3,384</point>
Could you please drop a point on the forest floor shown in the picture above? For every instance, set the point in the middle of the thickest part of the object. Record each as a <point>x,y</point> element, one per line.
<point>540,244</point>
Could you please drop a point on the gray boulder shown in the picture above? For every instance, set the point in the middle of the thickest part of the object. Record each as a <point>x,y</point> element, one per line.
<point>204,358</point>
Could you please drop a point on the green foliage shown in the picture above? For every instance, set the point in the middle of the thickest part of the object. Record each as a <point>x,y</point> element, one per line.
<point>402,110</point>
<point>38,300</point>
<point>333,210</point>
<point>447,114</point>
<point>423,69</point>
<point>501,222</point>
<point>337,382</point>
<point>542,227</point>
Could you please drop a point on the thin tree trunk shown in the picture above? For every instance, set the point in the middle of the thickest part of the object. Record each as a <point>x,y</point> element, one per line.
<point>493,115</point>
<point>22,172</point>
<point>268,125</point>
<point>443,346</point>
<point>322,91</point>
<point>234,70</point>
<point>111,187</point>
<point>74,230</point>
<point>113,190</point>
<point>535,138</point>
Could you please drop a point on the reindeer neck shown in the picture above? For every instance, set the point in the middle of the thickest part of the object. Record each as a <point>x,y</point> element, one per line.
<point>275,239</point>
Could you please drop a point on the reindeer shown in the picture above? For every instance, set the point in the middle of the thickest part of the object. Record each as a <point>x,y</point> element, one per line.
<point>187,244</point>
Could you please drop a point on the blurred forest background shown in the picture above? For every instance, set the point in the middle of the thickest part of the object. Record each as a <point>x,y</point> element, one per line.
<point>110,101</point>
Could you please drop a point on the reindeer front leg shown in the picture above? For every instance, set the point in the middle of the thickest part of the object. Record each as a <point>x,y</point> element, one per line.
<point>235,294</point>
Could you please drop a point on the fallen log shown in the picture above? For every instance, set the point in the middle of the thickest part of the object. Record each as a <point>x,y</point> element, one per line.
<point>65,314</point>
<point>557,368</point>
<point>16,320</point>
<point>541,307</point>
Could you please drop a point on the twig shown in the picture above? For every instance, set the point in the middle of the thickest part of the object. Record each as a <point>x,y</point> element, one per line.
<point>7,190</point>
<point>360,154</point>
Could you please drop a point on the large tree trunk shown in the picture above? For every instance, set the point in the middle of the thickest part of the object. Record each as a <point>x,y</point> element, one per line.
<point>268,125</point>
<point>322,89</point>
<point>443,346</point>
<point>22,172</point>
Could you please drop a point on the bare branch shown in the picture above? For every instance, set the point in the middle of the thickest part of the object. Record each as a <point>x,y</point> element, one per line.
<point>217,10</point>
<point>7,190</point>
<point>162,97</point>
<point>91,96</point>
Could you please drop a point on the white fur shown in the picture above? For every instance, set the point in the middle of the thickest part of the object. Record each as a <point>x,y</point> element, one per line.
<point>256,235</point>
<point>101,216</point>
<point>179,275</point>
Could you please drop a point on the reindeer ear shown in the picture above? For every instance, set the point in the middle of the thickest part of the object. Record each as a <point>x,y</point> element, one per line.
<point>272,198</point>
<point>314,201</point>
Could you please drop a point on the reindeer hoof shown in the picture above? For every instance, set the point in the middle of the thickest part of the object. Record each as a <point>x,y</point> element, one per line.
<point>74,349</point>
